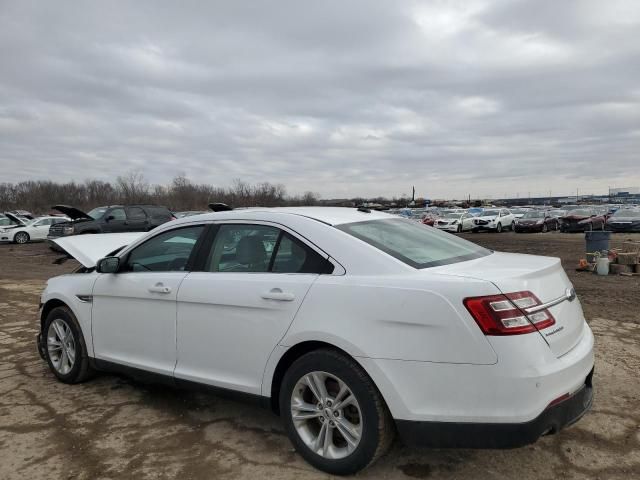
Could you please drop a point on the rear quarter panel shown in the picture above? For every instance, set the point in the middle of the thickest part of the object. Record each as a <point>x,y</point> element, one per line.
<point>417,317</point>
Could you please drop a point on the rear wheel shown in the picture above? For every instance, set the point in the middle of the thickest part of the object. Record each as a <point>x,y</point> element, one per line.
<point>65,350</point>
<point>21,237</point>
<point>334,414</point>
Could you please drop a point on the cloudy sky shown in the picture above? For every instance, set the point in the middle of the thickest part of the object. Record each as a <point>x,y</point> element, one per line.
<point>344,98</point>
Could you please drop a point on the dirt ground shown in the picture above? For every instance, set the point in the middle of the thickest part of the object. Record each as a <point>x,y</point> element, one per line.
<point>112,427</point>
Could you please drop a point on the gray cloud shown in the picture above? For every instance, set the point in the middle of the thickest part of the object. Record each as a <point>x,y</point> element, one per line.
<point>342,98</point>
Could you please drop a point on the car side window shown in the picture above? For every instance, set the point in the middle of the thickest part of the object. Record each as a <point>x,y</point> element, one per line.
<point>262,249</point>
<point>293,256</point>
<point>136,213</point>
<point>117,214</point>
<point>242,248</point>
<point>166,252</point>
<point>44,221</point>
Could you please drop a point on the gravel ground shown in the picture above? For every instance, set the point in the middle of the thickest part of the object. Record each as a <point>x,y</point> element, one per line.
<point>112,427</point>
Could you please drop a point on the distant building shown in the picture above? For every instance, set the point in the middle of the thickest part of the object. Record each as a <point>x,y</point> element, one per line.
<point>624,191</point>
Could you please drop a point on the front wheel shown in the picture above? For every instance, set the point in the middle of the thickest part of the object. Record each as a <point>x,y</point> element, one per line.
<point>545,229</point>
<point>459,229</point>
<point>64,347</point>
<point>21,237</point>
<point>334,414</point>
<point>499,228</point>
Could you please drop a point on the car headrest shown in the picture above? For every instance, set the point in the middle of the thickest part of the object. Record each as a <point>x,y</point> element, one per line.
<point>250,250</point>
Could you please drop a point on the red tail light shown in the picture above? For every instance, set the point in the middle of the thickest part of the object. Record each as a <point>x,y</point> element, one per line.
<point>504,314</point>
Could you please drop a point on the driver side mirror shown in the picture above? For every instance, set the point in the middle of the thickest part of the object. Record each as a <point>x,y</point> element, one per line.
<point>110,217</point>
<point>108,265</point>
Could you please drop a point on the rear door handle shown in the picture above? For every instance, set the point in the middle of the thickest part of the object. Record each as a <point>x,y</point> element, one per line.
<point>159,288</point>
<point>278,294</point>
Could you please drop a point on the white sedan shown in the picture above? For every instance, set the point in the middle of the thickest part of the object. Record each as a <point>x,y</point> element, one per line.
<point>29,230</point>
<point>351,325</point>
<point>455,222</point>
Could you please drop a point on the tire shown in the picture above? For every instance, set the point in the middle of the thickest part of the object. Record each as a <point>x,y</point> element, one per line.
<point>545,229</point>
<point>64,322</point>
<point>368,416</point>
<point>459,229</point>
<point>21,237</point>
<point>499,228</point>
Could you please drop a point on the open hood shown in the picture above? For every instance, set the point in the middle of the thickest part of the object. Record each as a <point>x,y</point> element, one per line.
<point>71,212</point>
<point>88,249</point>
<point>13,218</point>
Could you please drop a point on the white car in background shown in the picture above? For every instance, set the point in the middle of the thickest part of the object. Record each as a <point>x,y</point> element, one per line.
<point>29,230</point>
<point>350,324</point>
<point>455,222</point>
<point>494,219</point>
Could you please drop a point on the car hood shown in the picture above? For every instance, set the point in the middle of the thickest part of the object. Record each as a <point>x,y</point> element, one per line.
<point>13,218</point>
<point>624,220</point>
<point>486,217</point>
<point>71,212</point>
<point>529,221</point>
<point>88,249</point>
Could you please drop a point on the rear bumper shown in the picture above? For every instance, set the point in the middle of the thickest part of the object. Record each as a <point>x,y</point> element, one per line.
<point>499,435</point>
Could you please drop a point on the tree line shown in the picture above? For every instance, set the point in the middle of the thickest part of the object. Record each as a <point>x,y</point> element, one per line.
<point>37,196</point>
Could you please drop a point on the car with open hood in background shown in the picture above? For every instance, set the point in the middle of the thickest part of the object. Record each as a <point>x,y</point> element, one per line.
<point>30,230</point>
<point>583,219</point>
<point>110,219</point>
<point>536,221</point>
<point>624,220</point>
<point>493,219</point>
<point>350,324</point>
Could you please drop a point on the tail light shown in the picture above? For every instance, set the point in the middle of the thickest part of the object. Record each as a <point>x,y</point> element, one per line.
<point>504,314</point>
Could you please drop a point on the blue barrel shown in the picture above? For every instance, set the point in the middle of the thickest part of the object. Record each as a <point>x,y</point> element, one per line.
<point>596,241</point>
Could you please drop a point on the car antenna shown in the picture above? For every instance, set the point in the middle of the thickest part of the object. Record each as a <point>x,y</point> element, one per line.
<point>219,207</point>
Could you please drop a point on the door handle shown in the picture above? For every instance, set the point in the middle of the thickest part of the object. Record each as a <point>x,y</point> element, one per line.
<point>159,288</point>
<point>278,294</point>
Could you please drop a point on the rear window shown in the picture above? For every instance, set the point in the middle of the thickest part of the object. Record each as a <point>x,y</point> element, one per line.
<point>413,243</point>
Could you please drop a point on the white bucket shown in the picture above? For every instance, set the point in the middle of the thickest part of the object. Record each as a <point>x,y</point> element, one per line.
<point>602,266</point>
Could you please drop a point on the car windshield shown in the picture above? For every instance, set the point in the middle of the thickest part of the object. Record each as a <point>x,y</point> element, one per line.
<point>627,213</point>
<point>414,244</point>
<point>533,215</point>
<point>490,213</point>
<point>451,215</point>
<point>97,213</point>
<point>519,210</point>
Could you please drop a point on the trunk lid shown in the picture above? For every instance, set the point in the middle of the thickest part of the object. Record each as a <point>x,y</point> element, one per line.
<point>88,249</point>
<point>71,212</point>
<point>544,277</point>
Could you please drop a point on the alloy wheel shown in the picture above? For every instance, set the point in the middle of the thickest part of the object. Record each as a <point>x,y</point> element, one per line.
<point>21,237</point>
<point>326,415</point>
<point>61,346</point>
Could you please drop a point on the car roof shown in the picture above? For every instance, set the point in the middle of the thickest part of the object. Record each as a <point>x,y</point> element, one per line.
<point>328,215</point>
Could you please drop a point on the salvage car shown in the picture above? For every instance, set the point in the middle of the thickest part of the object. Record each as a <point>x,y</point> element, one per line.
<point>582,220</point>
<point>455,222</point>
<point>624,220</point>
<point>350,324</point>
<point>536,221</point>
<point>495,219</point>
<point>36,229</point>
<point>110,219</point>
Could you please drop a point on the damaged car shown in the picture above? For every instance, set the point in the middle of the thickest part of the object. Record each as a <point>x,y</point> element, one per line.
<point>493,219</point>
<point>536,221</point>
<point>352,325</point>
<point>624,220</point>
<point>109,219</point>
<point>582,220</point>
<point>27,231</point>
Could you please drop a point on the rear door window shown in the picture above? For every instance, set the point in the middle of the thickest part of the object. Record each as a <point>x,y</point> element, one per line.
<point>136,213</point>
